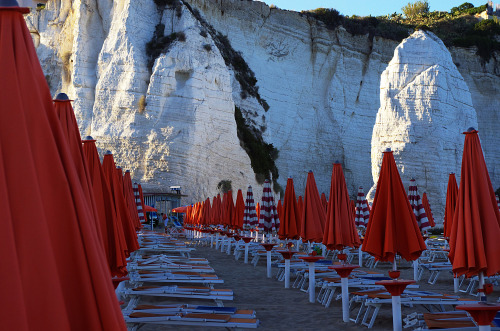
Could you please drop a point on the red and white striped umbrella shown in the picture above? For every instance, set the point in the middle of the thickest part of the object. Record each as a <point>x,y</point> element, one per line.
<point>250,220</point>
<point>362,209</point>
<point>268,220</point>
<point>138,202</point>
<point>417,206</point>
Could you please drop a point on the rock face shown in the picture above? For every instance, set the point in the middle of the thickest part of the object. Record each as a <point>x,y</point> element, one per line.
<point>425,105</point>
<point>174,124</point>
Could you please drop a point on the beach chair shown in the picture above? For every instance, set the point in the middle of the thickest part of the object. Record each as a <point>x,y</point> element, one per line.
<point>450,320</point>
<point>149,276</point>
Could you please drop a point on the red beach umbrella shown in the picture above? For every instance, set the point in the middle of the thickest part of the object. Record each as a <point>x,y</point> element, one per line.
<point>149,209</point>
<point>121,210</point>
<point>340,230</point>
<point>268,221</point>
<point>180,210</point>
<point>428,212</point>
<point>114,243</point>
<point>289,222</point>
<point>207,211</point>
<point>130,200</point>
<point>216,210</point>
<point>362,209</point>
<point>313,213</point>
<point>229,209</point>
<point>392,228</point>
<point>324,201</point>
<point>138,202</point>
<point>239,211</point>
<point>279,209</point>
<point>475,233</point>
<point>417,206</point>
<point>300,205</point>
<point>451,202</point>
<point>50,260</point>
<point>257,211</point>
<point>250,221</point>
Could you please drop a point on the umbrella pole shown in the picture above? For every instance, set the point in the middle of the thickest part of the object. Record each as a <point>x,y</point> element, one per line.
<point>229,240</point>
<point>298,245</point>
<point>394,266</point>
<point>312,282</point>
<point>360,256</point>
<point>268,264</point>
<point>396,313</point>
<point>345,299</point>
<point>455,283</point>
<point>482,295</point>
<point>323,250</point>
<point>287,273</point>
<point>415,270</point>
<point>246,252</point>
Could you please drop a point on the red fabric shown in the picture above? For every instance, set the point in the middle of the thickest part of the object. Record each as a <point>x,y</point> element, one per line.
<point>182,209</point>
<point>289,219</point>
<point>257,209</point>
<point>187,219</point>
<point>475,233</point>
<point>324,202</point>
<point>392,228</point>
<point>128,191</point>
<point>340,230</point>
<point>228,209</point>
<point>279,209</point>
<point>54,272</point>
<point>111,229</point>
<point>451,202</point>
<point>207,210</point>
<point>216,210</point>
<point>428,211</point>
<point>122,214</point>
<point>313,213</point>
<point>300,206</point>
<point>239,210</point>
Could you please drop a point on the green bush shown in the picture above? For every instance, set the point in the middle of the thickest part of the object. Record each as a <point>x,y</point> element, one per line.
<point>416,8</point>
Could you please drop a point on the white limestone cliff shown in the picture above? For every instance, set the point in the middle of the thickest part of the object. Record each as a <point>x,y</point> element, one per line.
<point>425,105</point>
<point>323,88</point>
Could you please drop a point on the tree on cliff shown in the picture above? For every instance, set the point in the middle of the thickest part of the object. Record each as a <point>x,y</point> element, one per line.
<point>415,8</point>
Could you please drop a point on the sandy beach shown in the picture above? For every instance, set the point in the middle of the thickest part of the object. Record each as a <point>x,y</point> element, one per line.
<point>278,308</point>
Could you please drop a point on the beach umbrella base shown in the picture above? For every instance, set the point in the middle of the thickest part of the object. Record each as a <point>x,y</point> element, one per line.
<point>395,287</point>
<point>312,276</point>
<point>287,255</point>
<point>482,313</point>
<point>344,270</point>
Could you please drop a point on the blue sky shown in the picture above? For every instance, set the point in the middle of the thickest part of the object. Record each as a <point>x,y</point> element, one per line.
<point>366,7</point>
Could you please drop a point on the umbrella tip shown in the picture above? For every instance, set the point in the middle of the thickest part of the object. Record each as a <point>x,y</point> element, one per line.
<point>118,167</point>
<point>8,3</point>
<point>388,149</point>
<point>337,161</point>
<point>60,96</point>
<point>88,138</point>
<point>310,171</point>
<point>108,152</point>
<point>470,129</point>
<point>452,173</point>
<point>127,171</point>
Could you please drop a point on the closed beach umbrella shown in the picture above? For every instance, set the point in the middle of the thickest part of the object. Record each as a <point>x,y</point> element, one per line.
<point>451,202</point>
<point>300,205</point>
<point>257,211</point>
<point>362,209</point>
<point>392,228</point>
<point>138,202</point>
<point>475,233</point>
<point>340,230</point>
<point>54,272</point>
<point>417,206</point>
<point>249,216</point>
<point>128,191</point>
<point>268,221</point>
<point>122,213</point>
<point>313,213</point>
<point>289,222</point>
<point>428,211</point>
<point>324,201</point>
<point>239,211</point>
<point>279,209</point>
<point>114,238</point>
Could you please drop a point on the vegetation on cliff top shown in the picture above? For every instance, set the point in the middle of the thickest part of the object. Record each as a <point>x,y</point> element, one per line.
<point>458,27</point>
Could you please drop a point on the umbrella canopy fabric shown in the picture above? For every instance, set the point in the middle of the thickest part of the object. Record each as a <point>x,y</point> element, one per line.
<point>138,202</point>
<point>228,208</point>
<point>324,201</point>
<point>279,209</point>
<point>216,210</point>
<point>475,233</point>
<point>55,257</point>
<point>340,230</point>
<point>182,209</point>
<point>428,211</point>
<point>249,216</point>
<point>392,228</point>
<point>149,209</point>
<point>313,213</point>
<point>417,206</point>
<point>239,211</point>
<point>257,211</point>
<point>300,206</point>
<point>268,220</point>
<point>128,191</point>
<point>207,211</point>
<point>289,222</point>
<point>362,210</point>
<point>451,202</point>
<point>112,231</point>
<point>122,213</point>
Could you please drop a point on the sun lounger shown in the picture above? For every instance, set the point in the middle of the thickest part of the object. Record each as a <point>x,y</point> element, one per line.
<point>449,320</point>
<point>143,276</point>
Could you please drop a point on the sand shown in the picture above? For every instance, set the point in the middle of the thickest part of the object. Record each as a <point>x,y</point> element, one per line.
<point>278,308</point>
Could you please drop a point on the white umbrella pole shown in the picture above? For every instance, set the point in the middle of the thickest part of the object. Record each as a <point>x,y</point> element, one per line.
<point>360,255</point>
<point>484,327</point>
<point>246,252</point>
<point>298,245</point>
<point>323,250</point>
<point>396,313</point>
<point>345,299</point>
<point>312,282</point>
<point>415,270</point>
<point>229,240</point>
<point>222,244</point>
<point>481,285</point>
<point>287,273</point>
<point>455,283</point>
<point>211,240</point>
<point>217,241</point>
<point>268,264</point>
